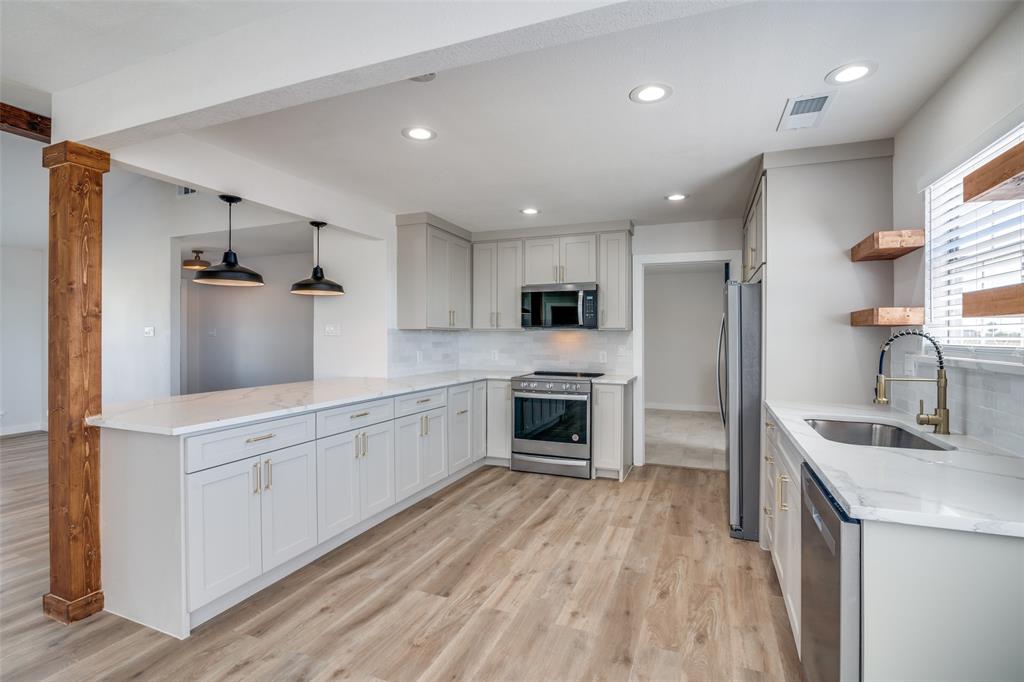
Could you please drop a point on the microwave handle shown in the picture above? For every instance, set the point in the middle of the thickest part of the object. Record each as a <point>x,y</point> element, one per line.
<point>579,307</point>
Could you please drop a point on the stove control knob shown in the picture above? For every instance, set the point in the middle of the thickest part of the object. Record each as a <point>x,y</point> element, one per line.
<point>550,386</point>
<point>566,387</point>
<point>533,384</point>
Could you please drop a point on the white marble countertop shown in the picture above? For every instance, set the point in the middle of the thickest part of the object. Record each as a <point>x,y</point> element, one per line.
<point>189,414</point>
<point>976,487</point>
<point>618,379</point>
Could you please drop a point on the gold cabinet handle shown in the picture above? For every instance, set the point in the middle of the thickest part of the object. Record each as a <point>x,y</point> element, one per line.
<point>461,412</point>
<point>779,480</point>
<point>563,273</point>
<point>256,478</point>
<point>257,439</point>
<point>269,466</point>
<point>366,443</point>
<point>357,415</point>
<point>556,273</point>
<point>423,400</point>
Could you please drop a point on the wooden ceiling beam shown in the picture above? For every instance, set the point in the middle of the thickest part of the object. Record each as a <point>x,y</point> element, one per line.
<point>24,123</point>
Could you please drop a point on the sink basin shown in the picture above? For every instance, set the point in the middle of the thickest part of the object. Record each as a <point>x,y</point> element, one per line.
<point>871,434</point>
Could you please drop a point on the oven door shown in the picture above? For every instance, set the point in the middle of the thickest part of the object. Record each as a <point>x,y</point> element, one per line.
<point>556,424</point>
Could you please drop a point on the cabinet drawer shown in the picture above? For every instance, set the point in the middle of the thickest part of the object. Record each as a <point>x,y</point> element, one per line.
<point>420,402</point>
<point>341,419</point>
<point>221,447</point>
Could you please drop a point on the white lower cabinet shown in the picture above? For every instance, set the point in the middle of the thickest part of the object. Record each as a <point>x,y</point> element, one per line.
<point>783,528</point>
<point>421,456</point>
<point>612,430</point>
<point>499,419</point>
<point>223,529</point>
<point>478,440</point>
<point>247,517</point>
<point>460,426</point>
<point>355,477</point>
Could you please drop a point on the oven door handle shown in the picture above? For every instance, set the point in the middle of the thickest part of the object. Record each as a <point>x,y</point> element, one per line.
<point>551,396</point>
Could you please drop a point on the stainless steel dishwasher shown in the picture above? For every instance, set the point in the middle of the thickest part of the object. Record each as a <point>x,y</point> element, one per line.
<point>829,585</point>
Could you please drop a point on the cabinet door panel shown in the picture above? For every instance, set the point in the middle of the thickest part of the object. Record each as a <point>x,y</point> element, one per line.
<point>434,449</point>
<point>288,503</point>
<point>614,282</point>
<point>223,530</point>
<point>479,413</point>
<point>485,274</point>
<point>438,307</point>
<point>509,285</point>
<point>459,276</point>
<point>460,426</point>
<point>578,256</point>
<point>377,470</point>
<point>540,261</point>
<point>499,419</point>
<point>408,469</point>
<point>607,426</point>
<point>337,484</point>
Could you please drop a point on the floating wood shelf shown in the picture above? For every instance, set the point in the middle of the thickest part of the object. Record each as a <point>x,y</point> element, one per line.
<point>887,245</point>
<point>887,317</point>
<point>994,302</point>
<point>1000,179</point>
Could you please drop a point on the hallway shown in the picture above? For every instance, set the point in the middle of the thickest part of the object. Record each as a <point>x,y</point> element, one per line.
<point>685,439</point>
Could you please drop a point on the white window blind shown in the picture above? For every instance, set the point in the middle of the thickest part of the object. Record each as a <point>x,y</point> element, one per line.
<point>973,246</point>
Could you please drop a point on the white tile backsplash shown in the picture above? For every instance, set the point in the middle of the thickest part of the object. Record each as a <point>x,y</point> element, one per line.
<point>418,352</point>
<point>987,404</point>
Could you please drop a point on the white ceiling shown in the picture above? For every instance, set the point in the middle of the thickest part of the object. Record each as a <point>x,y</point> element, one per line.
<point>250,242</point>
<point>51,45</point>
<point>554,128</point>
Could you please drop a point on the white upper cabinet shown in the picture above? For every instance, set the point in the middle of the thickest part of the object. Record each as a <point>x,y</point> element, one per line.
<point>497,285</point>
<point>754,236</point>
<point>288,503</point>
<point>223,530</point>
<point>434,278</point>
<point>552,260</point>
<point>614,282</point>
<point>578,255</point>
<point>542,261</point>
<point>460,426</point>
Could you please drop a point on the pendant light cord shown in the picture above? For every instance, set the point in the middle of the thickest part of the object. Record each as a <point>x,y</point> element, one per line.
<point>230,206</point>
<point>318,246</point>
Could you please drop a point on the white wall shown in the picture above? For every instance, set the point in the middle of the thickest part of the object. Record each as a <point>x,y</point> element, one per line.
<point>682,317</point>
<point>360,317</point>
<point>982,100</point>
<point>706,235</point>
<point>22,340</point>
<point>816,212</point>
<point>241,337</point>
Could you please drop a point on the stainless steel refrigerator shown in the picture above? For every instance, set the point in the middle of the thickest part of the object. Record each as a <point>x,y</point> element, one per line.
<point>739,398</point>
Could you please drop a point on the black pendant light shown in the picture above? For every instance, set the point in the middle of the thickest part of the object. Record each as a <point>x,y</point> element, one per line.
<point>229,273</point>
<point>196,262</point>
<point>317,284</point>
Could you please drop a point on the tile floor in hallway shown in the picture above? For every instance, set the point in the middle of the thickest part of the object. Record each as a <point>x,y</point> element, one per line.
<point>685,439</point>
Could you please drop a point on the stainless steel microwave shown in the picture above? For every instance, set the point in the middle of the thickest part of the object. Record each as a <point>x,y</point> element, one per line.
<point>560,306</point>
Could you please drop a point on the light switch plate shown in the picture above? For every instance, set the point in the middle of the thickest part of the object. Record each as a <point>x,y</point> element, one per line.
<point>494,355</point>
<point>332,330</point>
<point>602,356</point>
<point>149,331</point>
<point>419,357</point>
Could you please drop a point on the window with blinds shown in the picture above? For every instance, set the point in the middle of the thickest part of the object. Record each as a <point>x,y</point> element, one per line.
<point>973,246</point>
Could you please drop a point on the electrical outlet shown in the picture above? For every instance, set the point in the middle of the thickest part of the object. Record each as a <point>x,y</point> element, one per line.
<point>149,331</point>
<point>494,355</point>
<point>211,332</point>
<point>602,356</point>
<point>419,357</point>
<point>332,330</point>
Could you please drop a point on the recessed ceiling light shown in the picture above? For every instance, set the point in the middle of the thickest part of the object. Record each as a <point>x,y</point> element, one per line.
<point>676,197</point>
<point>529,211</point>
<point>850,72</point>
<point>419,133</point>
<point>649,93</point>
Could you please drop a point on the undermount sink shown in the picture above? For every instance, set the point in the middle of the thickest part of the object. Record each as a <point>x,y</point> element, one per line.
<point>871,434</point>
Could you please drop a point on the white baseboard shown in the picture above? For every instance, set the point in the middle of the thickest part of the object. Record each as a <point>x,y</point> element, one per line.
<point>21,428</point>
<point>681,407</point>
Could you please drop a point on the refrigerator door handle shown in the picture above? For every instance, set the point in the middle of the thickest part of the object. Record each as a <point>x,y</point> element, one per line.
<point>718,373</point>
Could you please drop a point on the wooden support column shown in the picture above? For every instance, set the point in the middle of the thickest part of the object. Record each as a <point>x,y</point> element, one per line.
<point>76,211</point>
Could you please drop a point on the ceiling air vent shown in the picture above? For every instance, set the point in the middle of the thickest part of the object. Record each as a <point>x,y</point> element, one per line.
<point>805,111</point>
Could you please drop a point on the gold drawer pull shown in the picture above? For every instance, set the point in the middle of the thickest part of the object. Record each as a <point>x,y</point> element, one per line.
<point>256,439</point>
<point>357,415</point>
<point>460,412</point>
<point>782,506</point>
<point>423,400</point>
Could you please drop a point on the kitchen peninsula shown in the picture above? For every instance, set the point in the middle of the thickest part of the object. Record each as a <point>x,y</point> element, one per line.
<point>209,498</point>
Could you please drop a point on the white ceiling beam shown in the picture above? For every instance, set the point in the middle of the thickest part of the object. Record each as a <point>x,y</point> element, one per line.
<point>322,50</point>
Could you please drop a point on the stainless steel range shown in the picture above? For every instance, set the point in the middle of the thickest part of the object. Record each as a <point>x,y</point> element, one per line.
<point>551,423</point>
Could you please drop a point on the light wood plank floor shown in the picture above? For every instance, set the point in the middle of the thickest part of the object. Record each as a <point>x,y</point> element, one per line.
<point>501,576</point>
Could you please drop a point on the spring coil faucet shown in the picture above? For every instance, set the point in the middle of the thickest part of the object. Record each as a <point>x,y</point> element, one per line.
<point>940,418</point>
